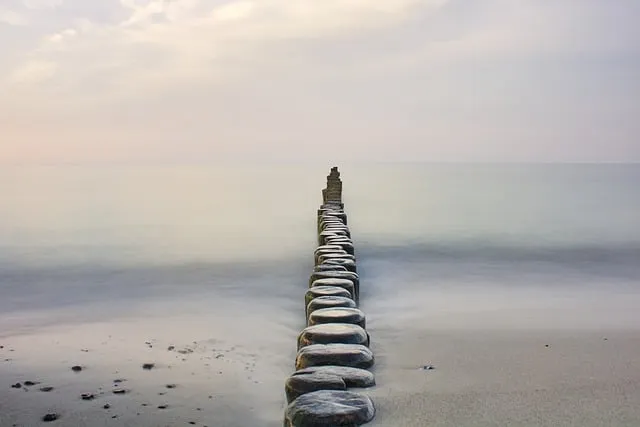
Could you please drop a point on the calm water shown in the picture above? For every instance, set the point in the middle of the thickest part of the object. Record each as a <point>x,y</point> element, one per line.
<point>224,253</point>
<point>67,234</point>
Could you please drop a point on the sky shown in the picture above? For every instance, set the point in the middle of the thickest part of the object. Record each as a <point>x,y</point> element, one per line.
<point>160,81</point>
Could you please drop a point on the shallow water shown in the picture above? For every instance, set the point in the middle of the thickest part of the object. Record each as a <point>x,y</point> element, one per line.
<point>108,258</point>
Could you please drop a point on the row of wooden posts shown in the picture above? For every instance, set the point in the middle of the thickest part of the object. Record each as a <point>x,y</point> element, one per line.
<point>333,350</point>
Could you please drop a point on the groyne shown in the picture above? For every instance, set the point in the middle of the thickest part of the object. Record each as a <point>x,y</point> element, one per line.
<point>333,350</point>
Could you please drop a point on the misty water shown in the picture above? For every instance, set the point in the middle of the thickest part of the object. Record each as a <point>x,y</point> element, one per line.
<point>220,256</point>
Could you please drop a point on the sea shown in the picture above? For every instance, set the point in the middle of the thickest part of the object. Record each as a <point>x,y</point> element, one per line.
<point>217,257</point>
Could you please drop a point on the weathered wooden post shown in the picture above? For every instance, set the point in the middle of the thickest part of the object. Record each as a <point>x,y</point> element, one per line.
<point>333,350</point>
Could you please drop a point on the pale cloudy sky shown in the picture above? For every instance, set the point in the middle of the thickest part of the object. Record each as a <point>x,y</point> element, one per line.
<point>433,80</point>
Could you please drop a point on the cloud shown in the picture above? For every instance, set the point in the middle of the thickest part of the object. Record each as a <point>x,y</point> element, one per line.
<point>34,72</point>
<point>161,45</point>
<point>269,76</point>
<point>62,35</point>
<point>43,4</point>
<point>13,18</point>
<point>164,43</point>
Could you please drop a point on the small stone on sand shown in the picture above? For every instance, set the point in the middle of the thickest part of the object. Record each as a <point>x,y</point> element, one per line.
<point>148,366</point>
<point>50,417</point>
<point>76,368</point>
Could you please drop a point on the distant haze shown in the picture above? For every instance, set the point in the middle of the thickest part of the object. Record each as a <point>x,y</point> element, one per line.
<point>332,80</point>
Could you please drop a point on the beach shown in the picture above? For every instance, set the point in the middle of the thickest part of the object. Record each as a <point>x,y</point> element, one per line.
<point>530,378</point>
<point>518,286</point>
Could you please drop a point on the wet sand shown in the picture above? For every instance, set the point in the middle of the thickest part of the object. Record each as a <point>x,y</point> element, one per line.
<point>228,364</point>
<point>224,367</point>
<point>481,378</point>
<point>523,378</point>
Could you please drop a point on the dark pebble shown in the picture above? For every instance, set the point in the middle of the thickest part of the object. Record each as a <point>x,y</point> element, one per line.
<point>171,386</point>
<point>46,389</point>
<point>88,396</point>
<point>148,366</point>
<point>192,422</point>
<point>106,406</point>
<point>428,368</point>
<point>115,416</point>
<point>50,417</point>
<point>171,347</point>
<point>546,345</point>
<point>76,368</point>
<point>119,380</point>
<point>31,383</point>
<point>119,391</point>
<point>163,406</point>
<point>16,385</point>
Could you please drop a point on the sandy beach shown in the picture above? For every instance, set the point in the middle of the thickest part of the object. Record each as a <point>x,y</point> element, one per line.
<point>227,374</point>
<point>523,378</point>
<point>203,373</point>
